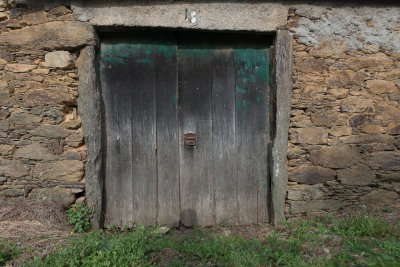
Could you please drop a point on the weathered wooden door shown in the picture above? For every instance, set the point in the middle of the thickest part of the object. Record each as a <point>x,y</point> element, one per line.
<point>186,120</point>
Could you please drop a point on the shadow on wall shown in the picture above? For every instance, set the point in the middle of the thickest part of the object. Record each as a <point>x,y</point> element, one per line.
<point>189,217</point>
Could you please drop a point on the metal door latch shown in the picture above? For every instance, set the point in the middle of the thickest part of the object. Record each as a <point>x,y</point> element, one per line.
<point>190,139</point>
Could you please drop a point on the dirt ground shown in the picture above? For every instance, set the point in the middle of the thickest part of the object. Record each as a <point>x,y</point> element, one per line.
<point>40,227</point>
<point>35,227</point>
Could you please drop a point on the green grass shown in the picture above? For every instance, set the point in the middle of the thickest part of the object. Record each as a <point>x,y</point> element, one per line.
<point>7,252</point>
<point>356,241</point>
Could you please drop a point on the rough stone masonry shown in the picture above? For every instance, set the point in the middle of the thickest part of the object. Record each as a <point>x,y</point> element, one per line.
<point>344,136</point>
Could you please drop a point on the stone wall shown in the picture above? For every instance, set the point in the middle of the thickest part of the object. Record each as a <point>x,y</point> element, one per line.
<point>345,122</point>
<point>42,151</point>
<point>345,125</point>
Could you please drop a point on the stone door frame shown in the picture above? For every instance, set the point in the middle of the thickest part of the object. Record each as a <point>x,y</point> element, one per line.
<point>90,103</point>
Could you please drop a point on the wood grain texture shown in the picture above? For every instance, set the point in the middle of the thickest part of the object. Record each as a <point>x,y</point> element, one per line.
<point>223,112</point>
<point>251,133</point>
<point>158,87</point>
<point>143,116</point>
<point>167,134</point>
<point>116,96</point>
<point>196,174</point>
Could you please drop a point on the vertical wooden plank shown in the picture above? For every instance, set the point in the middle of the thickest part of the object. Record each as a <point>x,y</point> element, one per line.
<point>223,112</point>
<point>251,132</point>
<point>116,97</point>
<point>167,133</point>
<point>143,116</point>
<point>196,174</point>
<point>109,119</point>
<point>263,92</point>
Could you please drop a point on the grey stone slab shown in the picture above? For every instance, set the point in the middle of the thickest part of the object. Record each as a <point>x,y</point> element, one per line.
<point>89,106</point>
<point>282,84</point>
<point>265,17</point>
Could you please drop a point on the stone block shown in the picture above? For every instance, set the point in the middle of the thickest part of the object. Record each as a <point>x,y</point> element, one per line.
<point>247,16</point>
<point>71,155</point>
<point>357,120</point>
<point>301,121</point>
<point>345,79</point>
<point>303,192</point>
<point>50,131</point>
<point>5,100</point>
<point>12,193</point>
<point>76,137</point>
<point>389,177</point>
<point>72,124</point>
<point>356,175</point>
<point>41,71</point>
<point>54,115</point>
<point>6,150</point>
<point>80,200</point>
<point>367,139</point>
<point>311,65</point>
<point>311,89</point>
<point>379,196</point>
<point>26,121</point>
<point>4,126</point>
<point>34,152</point>
<point>34,18</point>
<point>315,205</point>
<point>372,129</point>
<point>64,170</point>
<point>56,195</point>
<point>385,160</point>
<point>59,59</point>
<point>395,97</point>
<point>295,152</point>
<point>340,131</point>
<point>55,35</point>
<point>20,67</point>
<point>394,128</point>
<point>353,104</point>
<point>387,113</point>
<point>312,136</point>
<point>312,175</point>
<point>13,168</point>
<point>339,93</point>
<point>381,87</point>
<point>376,61</point>
<point>4,113</point>
<point>74,140</point>
<point>53,96</point>
<point>6,56</point>
<point>329,48</point>
<point>325,118</point>
<point>337,157</point>
<point>77,190</point>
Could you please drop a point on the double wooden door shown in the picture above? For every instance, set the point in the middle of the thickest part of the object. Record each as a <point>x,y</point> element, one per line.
<point>186,120</point>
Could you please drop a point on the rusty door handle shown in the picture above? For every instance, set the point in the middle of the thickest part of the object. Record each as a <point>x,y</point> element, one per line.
<point>190,139</point>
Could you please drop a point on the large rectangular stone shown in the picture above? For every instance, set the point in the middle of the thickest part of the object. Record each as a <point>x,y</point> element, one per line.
<point>212,16</point>
<point>51,36</point>
<point>314,205</point>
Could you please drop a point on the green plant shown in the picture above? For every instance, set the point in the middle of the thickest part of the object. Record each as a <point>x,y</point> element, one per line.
<point>386,208</point>
<point>355,241</point>
<point>363,226</point>
<point>7,252</point>
<point>80,216</point>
